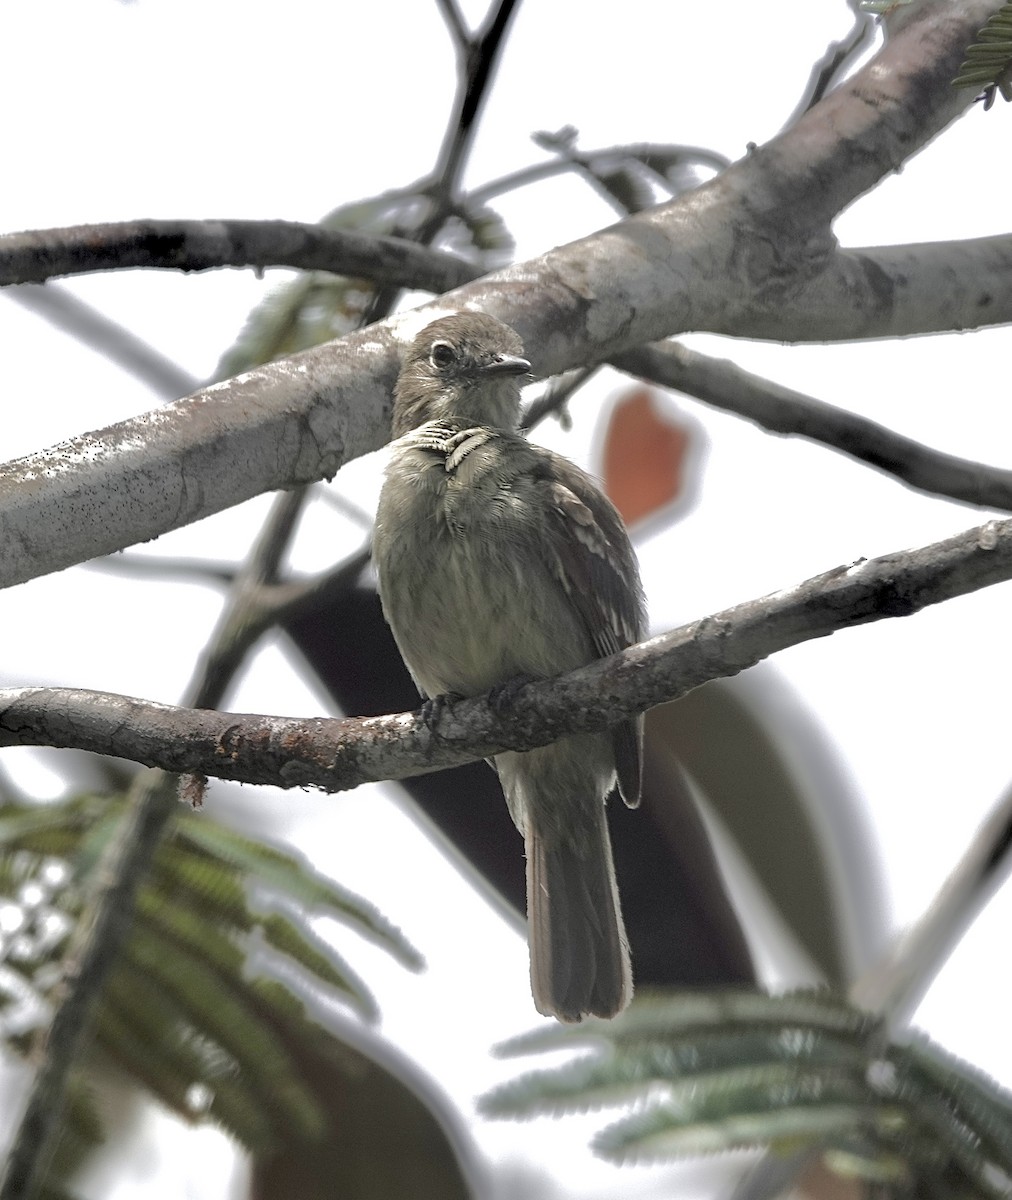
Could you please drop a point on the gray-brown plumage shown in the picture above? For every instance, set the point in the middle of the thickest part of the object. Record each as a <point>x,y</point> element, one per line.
<point>498,559</point>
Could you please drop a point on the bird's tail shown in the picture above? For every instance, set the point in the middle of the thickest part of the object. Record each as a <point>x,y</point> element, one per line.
<point>579,953</point>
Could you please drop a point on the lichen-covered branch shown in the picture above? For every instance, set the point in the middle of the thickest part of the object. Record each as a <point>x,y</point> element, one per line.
<point>340,754</point>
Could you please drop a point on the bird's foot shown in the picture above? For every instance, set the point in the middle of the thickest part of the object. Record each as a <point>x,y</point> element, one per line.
<point>502,696</point>
<point>433,708</point>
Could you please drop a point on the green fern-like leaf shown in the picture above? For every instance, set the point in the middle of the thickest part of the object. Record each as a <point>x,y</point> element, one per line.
<point>320,960</point>
<point>179,1016</point>
<point>690,1060</point>
<point>708,1072</point>
<point>663,1015</point>
<point>988,62</point>
<point>317,306</point>
<point>293,877</point>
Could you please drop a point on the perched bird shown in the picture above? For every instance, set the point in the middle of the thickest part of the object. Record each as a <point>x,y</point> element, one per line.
<point>499,560</point>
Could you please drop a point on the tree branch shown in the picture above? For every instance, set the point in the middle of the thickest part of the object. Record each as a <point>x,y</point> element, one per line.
<point>747,253</point>
<point>338,754</point>
<point>680,266</point>
<point>836,57</point>
<point>67,312</point>
<point>896,986</point>
<point>779,409</point>
<point>37,255</point>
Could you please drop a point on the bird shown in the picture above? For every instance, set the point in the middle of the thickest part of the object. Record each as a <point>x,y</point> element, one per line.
<point>499,561</point>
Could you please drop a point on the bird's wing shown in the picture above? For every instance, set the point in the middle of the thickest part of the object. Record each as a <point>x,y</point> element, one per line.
<point>594,562</point>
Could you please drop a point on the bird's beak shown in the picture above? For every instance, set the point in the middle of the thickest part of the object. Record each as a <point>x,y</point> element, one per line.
<point>505,364</point>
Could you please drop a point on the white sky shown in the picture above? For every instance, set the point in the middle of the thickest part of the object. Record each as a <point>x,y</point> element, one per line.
<point>204,108</point>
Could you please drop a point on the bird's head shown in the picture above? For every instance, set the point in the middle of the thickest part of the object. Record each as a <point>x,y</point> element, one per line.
<point>466,365</point>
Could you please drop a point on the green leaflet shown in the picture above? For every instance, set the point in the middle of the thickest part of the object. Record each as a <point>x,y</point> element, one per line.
<point>716,1071</point>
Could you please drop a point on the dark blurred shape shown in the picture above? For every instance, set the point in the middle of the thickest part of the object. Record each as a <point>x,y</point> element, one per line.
<point>682,929</point>
<point>388,1132</point>
<point>764,766</point>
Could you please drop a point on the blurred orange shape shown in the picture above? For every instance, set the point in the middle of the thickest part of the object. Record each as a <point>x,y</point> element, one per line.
<point>645,455</point>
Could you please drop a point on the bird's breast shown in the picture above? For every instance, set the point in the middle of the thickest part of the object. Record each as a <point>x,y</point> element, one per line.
<point>461,571</point>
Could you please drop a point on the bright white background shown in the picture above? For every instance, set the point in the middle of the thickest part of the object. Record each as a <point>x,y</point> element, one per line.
<point>206,108</point>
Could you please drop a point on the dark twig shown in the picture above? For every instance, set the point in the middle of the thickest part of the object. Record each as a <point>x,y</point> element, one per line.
<point>154,566</point>
<point>779,409</point>
<point>38,255</point>
<point>640,152</point>
<point>454,19</point>
<point>335,755</point>
<point>478,58</point>
<point>897,985</point>
<point>555,397</point>
<point>86,324</point>
<point>838,56</point>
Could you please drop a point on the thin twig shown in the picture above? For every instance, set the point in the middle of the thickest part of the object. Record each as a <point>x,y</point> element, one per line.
<point>779,409</point>
<point>479,63</point>
<point>74,316</point>
<point>454,19</point>
<point>38,255</point>
<point>838,56</point>
<point>895,986</point>
<point>635,151</point>
<point>555,397</point>
<point>338,754</point>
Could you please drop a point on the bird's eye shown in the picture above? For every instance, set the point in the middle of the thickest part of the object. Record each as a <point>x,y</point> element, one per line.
<point>441,354</point>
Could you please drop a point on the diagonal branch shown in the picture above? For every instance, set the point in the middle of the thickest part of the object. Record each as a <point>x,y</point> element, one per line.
<point>338,754</point>
<point>69,313</point>
<point>780,409</point>
<point>41,254</point>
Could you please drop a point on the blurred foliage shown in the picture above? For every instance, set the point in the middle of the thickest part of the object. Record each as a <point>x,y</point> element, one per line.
<point>206,1009</point>
<point>988,62</point>
<point>708,1072</point>
<point>317,306</point>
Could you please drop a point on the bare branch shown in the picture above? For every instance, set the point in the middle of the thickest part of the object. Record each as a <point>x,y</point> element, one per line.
<point>72,315</point>
<point>555,397</point>
<point>897,985</point>
<point>884,292</point>
<point>340,754</point>
<point>779,409</point>
<point>836,58</point>
<point>38,255</point>
<point>479,58</point>
<point>641,152</point>
<point>454,19</point>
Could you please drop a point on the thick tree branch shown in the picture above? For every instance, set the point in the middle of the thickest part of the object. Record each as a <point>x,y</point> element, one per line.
<point>748,253</point>
<point>780,409</point>
<point>38,255</point>
<point>340,754</point>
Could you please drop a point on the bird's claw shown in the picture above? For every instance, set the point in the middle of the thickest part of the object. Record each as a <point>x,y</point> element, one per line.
<point>502,696</point>
<point>433,708</point>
